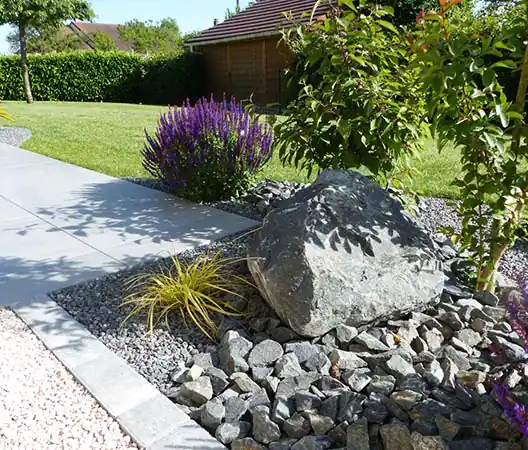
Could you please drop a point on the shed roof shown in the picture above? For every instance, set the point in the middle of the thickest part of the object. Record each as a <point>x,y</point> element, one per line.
<point>263,18</point>
<point>111,29</point>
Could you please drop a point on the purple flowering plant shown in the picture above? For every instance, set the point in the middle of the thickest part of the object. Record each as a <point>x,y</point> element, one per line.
<point>516,412</point>
<point>208,151</point>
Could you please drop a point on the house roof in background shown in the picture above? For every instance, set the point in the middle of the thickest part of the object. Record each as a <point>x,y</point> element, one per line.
<point>88,27</point>
<point>263,18</point>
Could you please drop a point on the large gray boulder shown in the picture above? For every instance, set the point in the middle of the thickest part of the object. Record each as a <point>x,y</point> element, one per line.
<point>342,251</point>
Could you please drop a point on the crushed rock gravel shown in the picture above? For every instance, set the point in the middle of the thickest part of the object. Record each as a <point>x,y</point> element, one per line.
<point>14,136</point>
<point>41,405</point>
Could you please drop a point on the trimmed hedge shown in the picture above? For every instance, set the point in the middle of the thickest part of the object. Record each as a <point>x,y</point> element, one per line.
<point>87,76</point>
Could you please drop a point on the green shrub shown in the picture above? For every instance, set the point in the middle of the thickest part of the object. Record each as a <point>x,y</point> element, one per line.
<point>87,76</point>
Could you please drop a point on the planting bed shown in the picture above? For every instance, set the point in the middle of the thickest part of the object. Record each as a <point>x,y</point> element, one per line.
<point>412,384</point>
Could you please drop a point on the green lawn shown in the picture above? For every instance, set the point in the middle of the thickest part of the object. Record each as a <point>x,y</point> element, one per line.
<point>108,138</point>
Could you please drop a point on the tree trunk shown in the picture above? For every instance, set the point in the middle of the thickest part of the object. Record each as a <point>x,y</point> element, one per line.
<point>24,61</point>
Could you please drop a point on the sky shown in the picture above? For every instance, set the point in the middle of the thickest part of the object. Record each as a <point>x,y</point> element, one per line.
<point>191,15</point>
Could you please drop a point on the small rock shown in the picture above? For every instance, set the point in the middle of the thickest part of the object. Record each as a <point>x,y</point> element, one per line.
<point>296,426</point>
<point>244,382</point>
<point>463,418</point>
<point>452,320</point>
<point>289,386</point>
<point>227,394</point>
<point>469,337</point>
<point>283,444</point>
<point>228,432</point>
<point>265,353</point>
<point>419,442</point>
<point>434,374</point>
<point>206,360</point>
<point>346,360</point>
<point>219,379</point>
<point>259,374</point>
<point>320,424</point>
<point>259,398</point>
<point>357,379</point>
<point>460,359</point>
<point>345,334</point>
<point>232,348</point>
<point>395,436</point>
<point>350,404</point>
<point>357,435</point>
<point>235,409</point>
<point>212,414</point>
<point>480,325</point>
<point>406,399</point>
<point>179,375</point>
<point>472,444</point>
<point>396,411</point>
<point>512,352</point>
<point>486,298</point>
<point>464,395</point>
<point>375,409</point>
<point>305,400</point>
<point>313,443</point>
<point>318,362</point>
<point>339,435</point>
<point>383,384</point>
<point>419,345</point>
<point>399,367</point>
<point>328,383</point>
<point>513,379</point>
<point>283,334</point>
<point>446,428</point>
<point>197,392</point>
<point>424,427</point>
<point>264,429</point>
<point>271,384</point>
<point>412,382</point>
<point>370,342</point>
<point>288,366</point>
<point>428,409</point>
<point>455,291</point>
<point>496,313</point>
<point>330,407</point>
<point>330,340</point>
<point>434,339</point>
<point>247,444</point>
<point>303,350</point>
<point>282,409</point>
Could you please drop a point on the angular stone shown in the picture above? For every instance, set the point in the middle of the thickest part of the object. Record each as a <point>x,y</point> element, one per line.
<point>327,384</point>
<point>320,424</point>
<point>283,444</point>
<point>305,400</point>
<point>513,353</point>
<point>446,398</point>
<point>259,398</point>
<point>406,399</point>
<point>345,334</point>
<point>247,444</point>
<point>455,291</point>
<point>465,396</point>
<point>219,379</point>
<point>395,436</point>
<point>282,409</point>
<point>288,366</point>
<point>375,409</point>
<point>303,350</point>
<point>197,392</point>
<point>259,374</point>
<point>460,359</point>
<point>486,298</point>
<point>434,339</point>
<point>412,382</point>
<point>472,444</point>
<point>296,426</point>
<point>318,363</point>
<point>480,325</point>
<point>235,409</point>
<point>428,409</point>
<point>283,334</point>
<point>357,435</point>
<point>468,337</point>
<point>265,354</point>
<point>271,385</point>
<point>419,442</point>
<point>212,414</point>
<point>206,360</point>
<point>330,407</point>
<point>424,427</point>
<point>463,418</point>
<point>289,386</point>
<point>228,432</point>
<point>451,319</point>
<point>434,374</point>
<point>313,443</point>
<point>396,411</point>
<point>419,345</point>
<point>346,360</point>
<point>459,345</point>
<point>399,367</point>
<point>383,384</point>
<point>447,429</point>
<point>227,394</point>
<point>323,227</point>
<point>350,404</point>
<point>264,429</point>
<point>370,342</point>
<point>357,379</point>
<point>232,349</point>
<point>339,435</point>
<point>244,382</point>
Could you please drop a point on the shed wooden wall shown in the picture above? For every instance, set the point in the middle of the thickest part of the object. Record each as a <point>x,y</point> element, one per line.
<point>243,68</point>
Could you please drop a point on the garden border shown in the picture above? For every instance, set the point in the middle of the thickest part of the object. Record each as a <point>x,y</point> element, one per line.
<point>150,418</point>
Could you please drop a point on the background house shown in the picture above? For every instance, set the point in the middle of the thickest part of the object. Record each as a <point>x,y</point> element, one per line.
<point>84,30</point>
<point>243,53</point>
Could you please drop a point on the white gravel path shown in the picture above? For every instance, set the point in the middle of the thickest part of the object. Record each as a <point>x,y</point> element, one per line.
<point>41,405</point>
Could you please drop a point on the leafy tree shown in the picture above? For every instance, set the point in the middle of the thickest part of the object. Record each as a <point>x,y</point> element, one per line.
<point>152,37</point>
<point>238,8</point>
<point>467,104</point>
<point>39,14</point>
<point>102,41</point>
<point>357,104</point>
<point>46,40</point>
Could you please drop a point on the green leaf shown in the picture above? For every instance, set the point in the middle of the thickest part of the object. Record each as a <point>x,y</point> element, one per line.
<point>507,63</point>
<point>488,77</point>
<point>387,25</point>
<point>515,115</point>
<point>344,128</point>
<point>504,118</point>
<point>504,46</point>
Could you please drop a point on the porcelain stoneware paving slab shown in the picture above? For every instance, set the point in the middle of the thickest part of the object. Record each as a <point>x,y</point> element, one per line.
<point>61,224</point>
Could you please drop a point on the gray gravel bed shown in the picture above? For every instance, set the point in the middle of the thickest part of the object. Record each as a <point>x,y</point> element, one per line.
<point>14,136</point>
<point>97,305</point>
<point>41,404</point>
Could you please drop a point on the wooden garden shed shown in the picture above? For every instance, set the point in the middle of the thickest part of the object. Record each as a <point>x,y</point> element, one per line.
<point>243,54</point>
